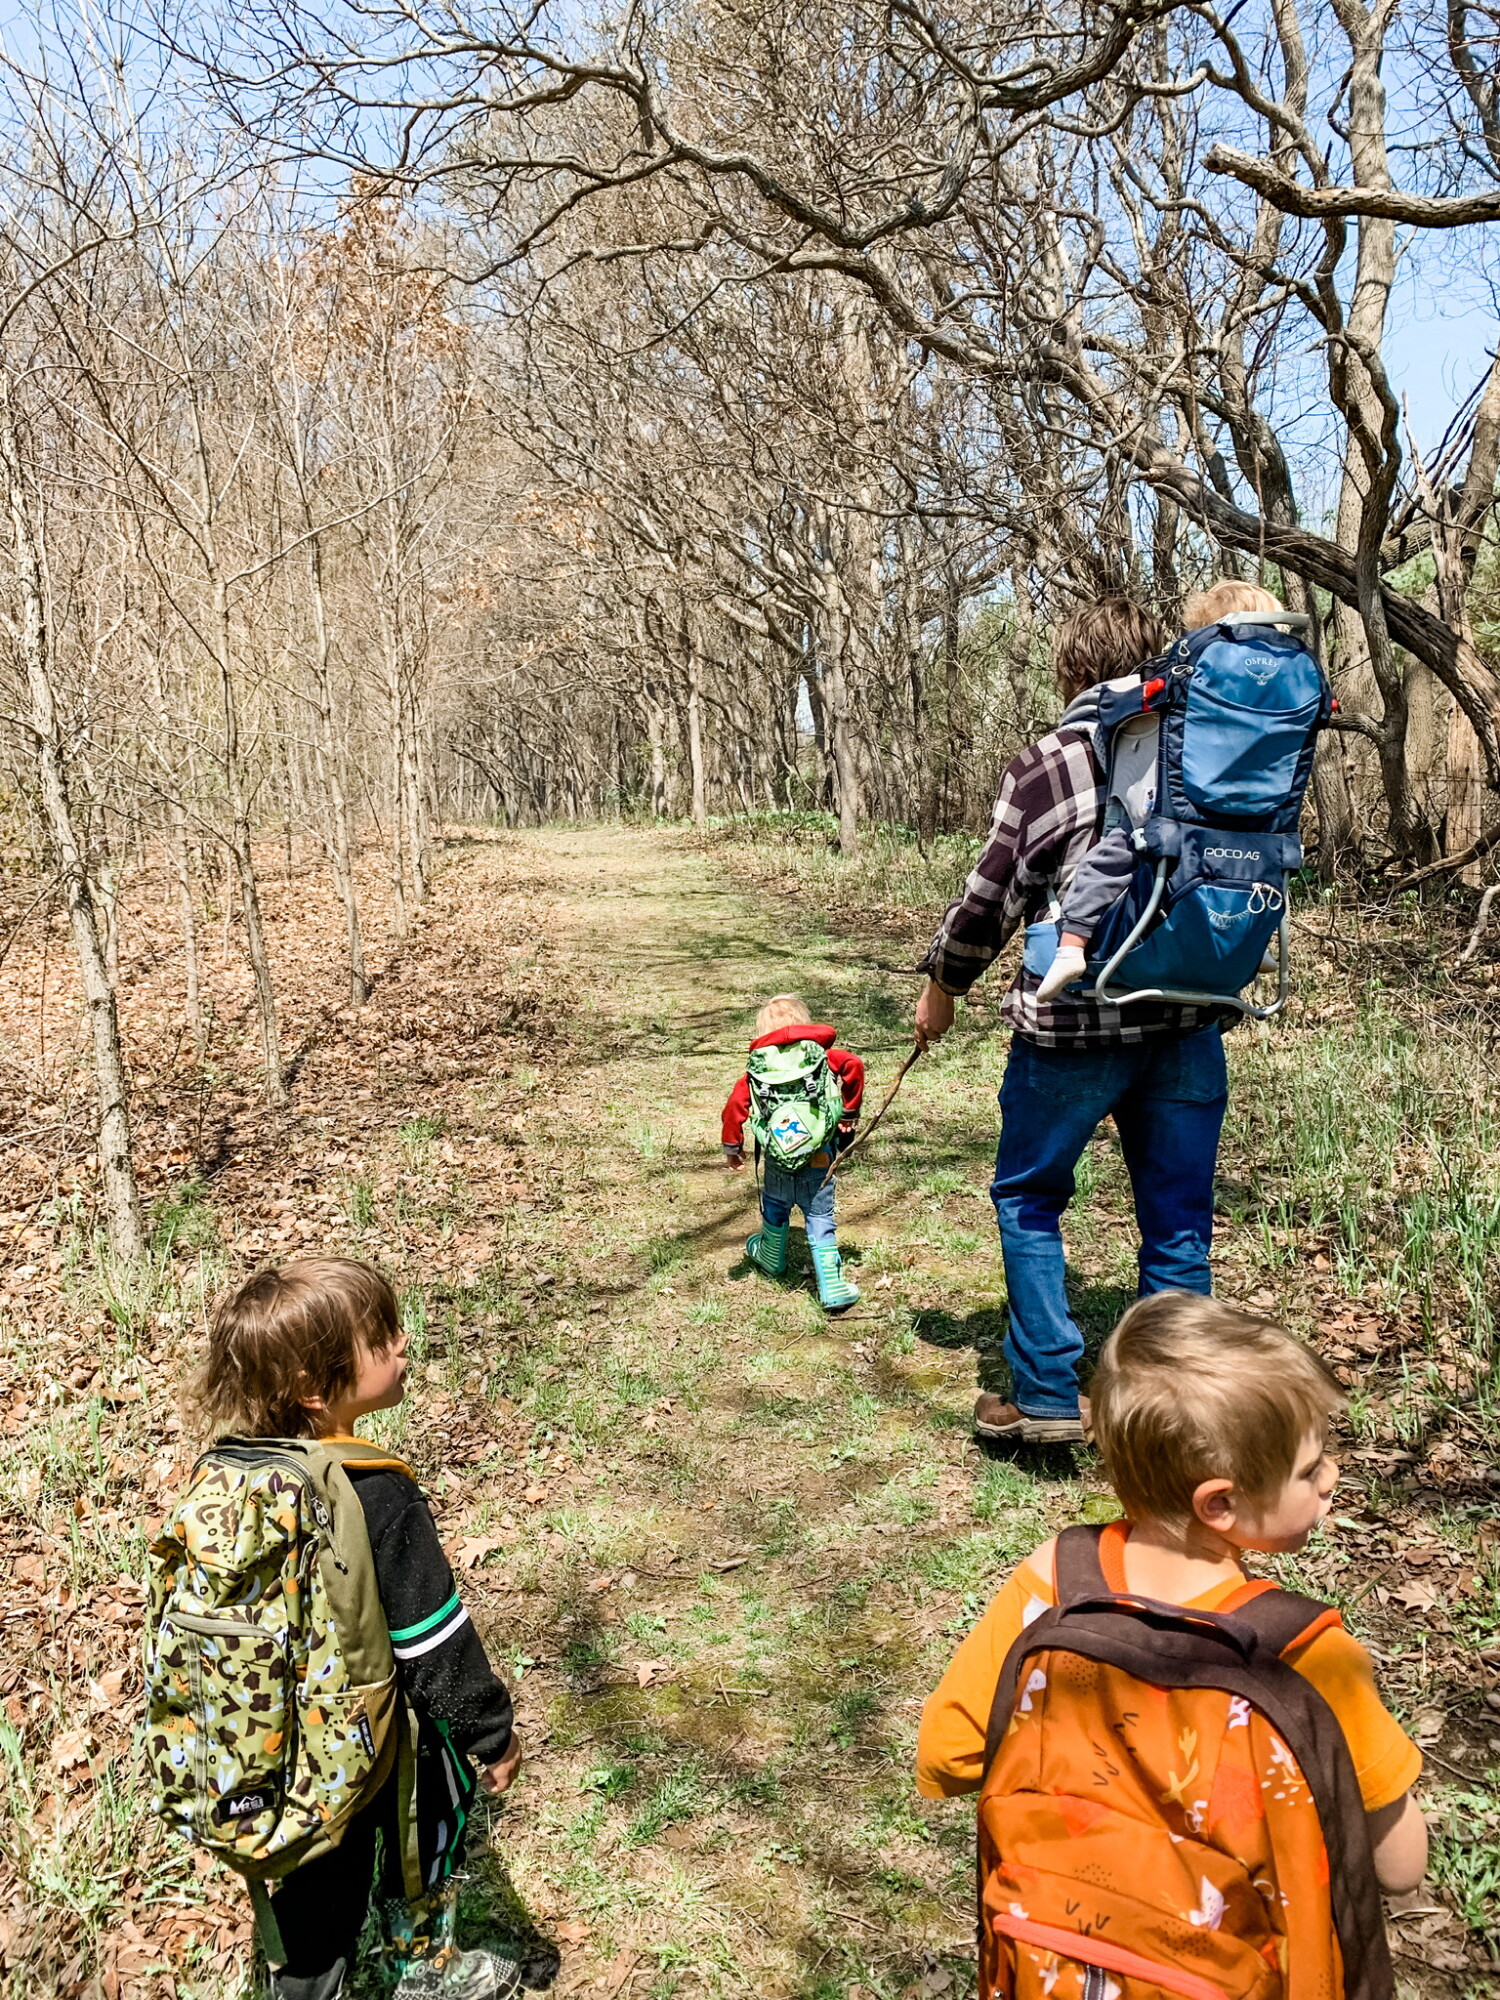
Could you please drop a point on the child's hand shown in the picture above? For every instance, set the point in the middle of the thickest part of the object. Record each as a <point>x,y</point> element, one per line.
<point>847,1125</point>
<point>733,1160</point>
<point>499,1777</point>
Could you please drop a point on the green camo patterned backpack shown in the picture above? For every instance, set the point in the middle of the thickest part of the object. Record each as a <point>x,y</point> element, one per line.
<point>795,1102</point>
<point>270,1682</point>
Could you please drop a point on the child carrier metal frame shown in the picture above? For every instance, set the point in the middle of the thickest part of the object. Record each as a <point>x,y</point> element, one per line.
<point>1296,621</point>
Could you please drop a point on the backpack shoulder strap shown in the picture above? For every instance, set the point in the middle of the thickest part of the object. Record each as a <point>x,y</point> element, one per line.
<point>1079,1570</point>
<point>1078,1574</point>
<point>1281,1619</point>
<point>359,1455</point>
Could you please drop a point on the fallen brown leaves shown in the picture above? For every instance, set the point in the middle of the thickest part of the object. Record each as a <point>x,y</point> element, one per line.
<point>93,1369</point>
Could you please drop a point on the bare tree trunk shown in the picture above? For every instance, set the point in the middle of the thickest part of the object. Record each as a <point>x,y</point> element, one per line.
<point>654,739</point>
<point>1330,785</point>
<point>1457,526</point>
<point>398,783</point>
<point>182,867</point>
<point>222,649</point>
<point>107,902</point>
<point>187,917</point>
<point>328,754</point>
<point>244,859</point>
<point>845,758</point>
<point>1372,455</point>
<point>414,782</point>
<point>695,730</point>
<point>122,1215</point>
<point>835,640</point>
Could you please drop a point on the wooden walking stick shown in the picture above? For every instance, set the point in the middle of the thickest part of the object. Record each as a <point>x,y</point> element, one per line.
<point>860,1137</point>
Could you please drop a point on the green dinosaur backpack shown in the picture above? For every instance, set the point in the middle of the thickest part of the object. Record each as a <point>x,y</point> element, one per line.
<point>272,1705</point>
<point>795,1102</point>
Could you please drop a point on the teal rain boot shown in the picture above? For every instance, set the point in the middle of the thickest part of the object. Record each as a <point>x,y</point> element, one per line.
<point>430,1965</point>
<point>767,1249</point>
<point>834,1289</point>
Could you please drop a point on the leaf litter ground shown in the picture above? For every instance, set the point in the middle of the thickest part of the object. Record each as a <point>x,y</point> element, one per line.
<point>721,1545</point>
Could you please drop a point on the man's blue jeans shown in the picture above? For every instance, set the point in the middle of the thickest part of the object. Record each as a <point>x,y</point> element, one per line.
<point>811,1191</point>
<point>1168,1097</point>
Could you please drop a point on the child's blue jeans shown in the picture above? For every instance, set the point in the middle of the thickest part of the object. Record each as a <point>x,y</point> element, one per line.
<point>781,1192</point>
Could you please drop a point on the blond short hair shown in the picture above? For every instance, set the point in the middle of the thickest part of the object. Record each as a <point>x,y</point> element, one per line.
<point>1188,1389</point>
<point>782,1010</point>
<point>1222,600</point>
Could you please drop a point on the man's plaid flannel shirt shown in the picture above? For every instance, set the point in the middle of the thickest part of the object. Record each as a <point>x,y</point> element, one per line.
<point>1046,819</point>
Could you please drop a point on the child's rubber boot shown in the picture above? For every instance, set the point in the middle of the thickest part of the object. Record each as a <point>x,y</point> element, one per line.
<point>461,1975</point>
<point>834,1290</point>
<point>766,1249</point>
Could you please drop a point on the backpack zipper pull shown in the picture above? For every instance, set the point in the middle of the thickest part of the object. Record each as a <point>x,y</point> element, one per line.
<point>325,1521</point>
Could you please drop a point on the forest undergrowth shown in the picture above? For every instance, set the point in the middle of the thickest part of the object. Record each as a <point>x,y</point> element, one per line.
<point>721,1546</point>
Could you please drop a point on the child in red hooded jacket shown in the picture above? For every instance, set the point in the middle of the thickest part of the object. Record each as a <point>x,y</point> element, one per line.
<point>783,1019</point>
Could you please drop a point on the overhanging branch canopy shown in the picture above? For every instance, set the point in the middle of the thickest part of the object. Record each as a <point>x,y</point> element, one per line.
<point>1419,211</point>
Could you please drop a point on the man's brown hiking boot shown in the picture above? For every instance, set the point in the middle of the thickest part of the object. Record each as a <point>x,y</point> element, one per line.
<point>997,1421</point>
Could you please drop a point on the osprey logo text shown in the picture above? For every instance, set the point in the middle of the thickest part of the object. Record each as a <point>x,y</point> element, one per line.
<point>1260,667</point>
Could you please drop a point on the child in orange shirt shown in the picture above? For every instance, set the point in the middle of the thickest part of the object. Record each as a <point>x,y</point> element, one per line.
<point>1212,1425</point>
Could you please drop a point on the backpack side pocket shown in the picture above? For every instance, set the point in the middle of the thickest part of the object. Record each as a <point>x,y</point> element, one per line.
<point>1224,903</point>
<point>221,1751</point>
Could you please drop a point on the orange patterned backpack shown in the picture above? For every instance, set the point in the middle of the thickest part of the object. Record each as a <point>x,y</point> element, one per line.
<point>1168,1807</point>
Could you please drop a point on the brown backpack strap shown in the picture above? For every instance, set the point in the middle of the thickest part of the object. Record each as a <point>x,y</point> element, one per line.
<point>1078,1570</point>
<point>1280,1619</point>
<point>1078,1576</point>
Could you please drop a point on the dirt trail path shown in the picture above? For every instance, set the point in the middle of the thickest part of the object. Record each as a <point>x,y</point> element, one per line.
<point>753,1534</point>
<point>721,1545</point>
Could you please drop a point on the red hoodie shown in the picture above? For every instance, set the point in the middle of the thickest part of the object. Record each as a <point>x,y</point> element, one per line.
<point>849,1069</point>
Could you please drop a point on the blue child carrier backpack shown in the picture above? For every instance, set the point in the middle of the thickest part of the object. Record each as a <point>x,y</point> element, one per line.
<point>1239,708</point>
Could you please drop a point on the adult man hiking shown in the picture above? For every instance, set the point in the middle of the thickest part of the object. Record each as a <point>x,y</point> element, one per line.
<point>1159,1069</point>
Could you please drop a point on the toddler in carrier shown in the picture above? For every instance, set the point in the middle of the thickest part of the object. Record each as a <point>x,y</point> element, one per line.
<point>1104,873</point>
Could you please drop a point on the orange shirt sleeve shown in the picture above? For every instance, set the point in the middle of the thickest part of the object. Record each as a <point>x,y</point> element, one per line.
<point>1386,1761</point>
<point>950,1740</point>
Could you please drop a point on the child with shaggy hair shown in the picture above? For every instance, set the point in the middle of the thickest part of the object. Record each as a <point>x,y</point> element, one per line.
<point>800,1097</point>
<point>302,1353</point>
<point>1104,873</point>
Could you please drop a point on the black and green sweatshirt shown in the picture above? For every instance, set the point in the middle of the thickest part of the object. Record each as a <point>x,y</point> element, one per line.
<point>440,1658</point>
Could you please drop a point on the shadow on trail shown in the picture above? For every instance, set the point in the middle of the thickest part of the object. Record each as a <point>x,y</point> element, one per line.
<point>1056,1463</point>
<point>1097,1309</point>
<point>493,1913</point>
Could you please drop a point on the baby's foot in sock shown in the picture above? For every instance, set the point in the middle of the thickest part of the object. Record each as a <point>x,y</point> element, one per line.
<point>1069,964</point>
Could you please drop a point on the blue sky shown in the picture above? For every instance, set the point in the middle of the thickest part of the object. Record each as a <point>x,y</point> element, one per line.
<point>1443,329</point>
